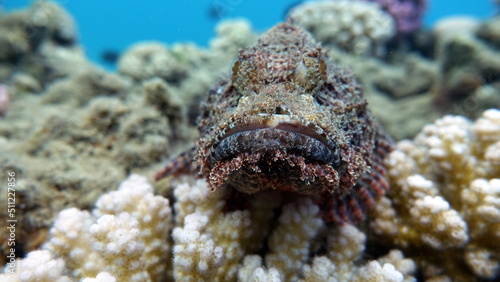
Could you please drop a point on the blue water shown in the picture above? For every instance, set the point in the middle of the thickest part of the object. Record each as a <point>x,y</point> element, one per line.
<point>115,25</point>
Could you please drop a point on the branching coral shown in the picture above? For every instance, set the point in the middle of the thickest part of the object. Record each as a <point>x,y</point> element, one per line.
<point>289,244</point>
<point>127,236</point>
<point>442,213</point>
<point>346,245</point>
<point>38,266</point>
<point>196,258</point>
<point>253,271</point>
<point>289,241</point>
<point>446,197</point>
<point>194,197</point>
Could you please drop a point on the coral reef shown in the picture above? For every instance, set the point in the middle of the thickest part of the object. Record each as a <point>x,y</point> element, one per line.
<point>73,132</point>
<point>357,27</point>
<point>127,238</point>
<point>440,221</point>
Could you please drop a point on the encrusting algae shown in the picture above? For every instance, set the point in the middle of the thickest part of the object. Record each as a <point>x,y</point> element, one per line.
<point>87,129</point>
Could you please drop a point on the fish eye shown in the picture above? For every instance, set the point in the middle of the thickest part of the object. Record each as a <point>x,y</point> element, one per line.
<point>243,74</point>
<point>310,73</point>
<point>322,67</point>
<point>235,69</point>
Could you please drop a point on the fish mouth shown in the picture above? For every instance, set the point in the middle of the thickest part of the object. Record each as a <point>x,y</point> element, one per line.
<point>276,133</point>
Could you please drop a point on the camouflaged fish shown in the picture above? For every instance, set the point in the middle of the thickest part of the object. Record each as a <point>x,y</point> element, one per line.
<point>289,119</point>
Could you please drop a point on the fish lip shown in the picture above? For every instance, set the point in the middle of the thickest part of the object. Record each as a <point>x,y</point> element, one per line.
<point>281,126</point>
<point>279,121</point>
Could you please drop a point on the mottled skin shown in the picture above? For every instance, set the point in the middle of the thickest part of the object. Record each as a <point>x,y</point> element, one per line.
<point>288,119</point>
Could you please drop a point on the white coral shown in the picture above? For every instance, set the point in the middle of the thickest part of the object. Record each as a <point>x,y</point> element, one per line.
<point>359,27</point>
<point>346,245</point>
<point>253,271</point>
<point>196,257</point>
<point>127,236</point>
<point>290,242</point>
<point>373,271</point>
<point>482,261</point>
<point>70,238</point>
<point>38,266</point>
<point>101,277</point>
<point>149,59</point>
<point>442,226</point>
<point>322,269</point>
<point>446,193</point>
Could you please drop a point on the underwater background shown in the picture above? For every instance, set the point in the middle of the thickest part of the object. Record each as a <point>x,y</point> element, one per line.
<point>110,27</point>
<point>96,97</point>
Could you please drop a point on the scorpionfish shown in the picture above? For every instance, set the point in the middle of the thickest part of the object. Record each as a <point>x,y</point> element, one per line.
<point>287,118</point>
